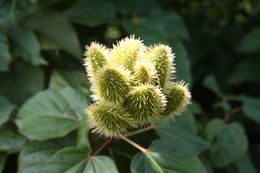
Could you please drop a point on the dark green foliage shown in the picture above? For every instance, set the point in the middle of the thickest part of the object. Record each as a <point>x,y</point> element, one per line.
<point>44,89</point>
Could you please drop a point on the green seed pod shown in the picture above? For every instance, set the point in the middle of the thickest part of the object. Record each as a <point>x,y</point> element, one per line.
<point>144,102</point>
<point>178,97</point>
<point>96,58</point>
<point>113,84</point>
<point>144,73</point>
<point>109,120</point>
<point>162,58</point>
<point>127,52</point>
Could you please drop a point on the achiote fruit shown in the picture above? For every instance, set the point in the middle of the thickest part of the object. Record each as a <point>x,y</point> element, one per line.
<point>132,86</point>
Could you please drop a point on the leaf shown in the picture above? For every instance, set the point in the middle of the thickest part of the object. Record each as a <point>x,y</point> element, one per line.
<point>156,161</point>
<point>67,160</point>
<point>3,158</point>
<point>244,165</point>
<point>58,81</point>
<point>4,53</point>
<point>183,123</point>
<point>180,135</point>
<point>228,142</point>
<point>51,114</point>
<point>27,46</point>
<point>150,30</point>
<point>98,164</point>
<point>70,78</point>
<point>183,70</point>
<point>240,74</point>
<point>82,135</point>
<point>21,82</point>
<point>35,154</point>
<point>6,109</point>
<point>210,82</point>
<point>250,42</point>
<point>91,13</point>
<point>11,141</point>
<point>72,160</point>
<point>57,29</point>
<point>251,108</point>
<point>174,26</point>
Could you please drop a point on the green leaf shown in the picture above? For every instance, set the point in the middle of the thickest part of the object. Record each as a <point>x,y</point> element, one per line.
<point>148,29</point>
<point>21,82</point>
<point>250,42</point>
<point>161,161</point>
<point>183,123</point>
<point>4,53</point>
<point>82,135</point>
<point>245,165</point>
<point>228,142</point>
<point>92,13</point>
<point>72,160</point>
<point>6,109</point>
<point>51,114</point>
<point>174,26</point>
<point>35,154</point>
<point>251,108</point>
<point>241,74</point>
<point>11,141</point>
<point>57,29</point>
<point>3,158</point>
<point>27,46</point>
<point>210,82</point>
<point>180,134</point>
<point>183,70</point>
<point>99,164</point>
<point>67,160</point>
<point>58,81</point>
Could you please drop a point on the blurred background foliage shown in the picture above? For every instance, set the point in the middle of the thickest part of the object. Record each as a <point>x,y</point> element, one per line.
<point>217,48</point>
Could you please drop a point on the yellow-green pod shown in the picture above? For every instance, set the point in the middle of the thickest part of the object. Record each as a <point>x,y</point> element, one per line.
<point>95,59</point>
<point>112,84</point>
<point>144,102</point>
<point>127,52</point>
<point>162,58</point>
<point>144,73</point>
<point>178,97</point>
<point>109,120</point>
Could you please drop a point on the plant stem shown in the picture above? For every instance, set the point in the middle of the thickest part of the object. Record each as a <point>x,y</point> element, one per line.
<point>151,127</point>
<point>12,11</point>
<point>230,113</point>
<point>139,147</point>
<point>102,147</point>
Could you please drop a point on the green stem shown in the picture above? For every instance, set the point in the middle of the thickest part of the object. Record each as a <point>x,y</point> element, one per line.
<point>12,11</point>
<point>151,127</point>
<point>139,147</point>
<point>102,147</point>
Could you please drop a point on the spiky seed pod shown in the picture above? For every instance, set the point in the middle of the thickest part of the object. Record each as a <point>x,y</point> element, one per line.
<point>112,84</point>
<point>144,102</point>
<point>95,58</point>
<point>127,52</point>
<point>144,73</point>
<point>178,97</point>
<point>109,120</point>
<point>162,58</point>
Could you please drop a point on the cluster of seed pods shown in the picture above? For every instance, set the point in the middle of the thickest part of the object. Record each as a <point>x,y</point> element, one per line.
<point>132,86</point>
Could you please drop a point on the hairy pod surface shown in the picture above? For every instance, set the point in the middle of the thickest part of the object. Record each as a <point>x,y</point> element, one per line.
<point>144,102</point>
<point>113,84</point>
<point>127,52</point>
<point>178,97</point>
<point>162,58</point>
<point>109,120</point>
<point>144,73</point>
<point>96,58</point>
